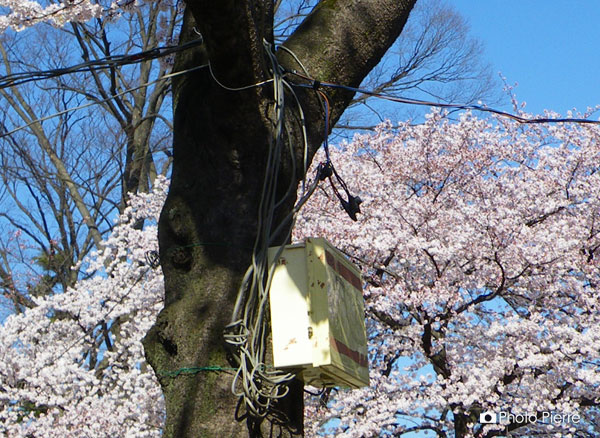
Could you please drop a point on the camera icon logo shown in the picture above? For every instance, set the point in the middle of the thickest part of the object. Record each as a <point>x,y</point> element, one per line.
<point>488,417</point>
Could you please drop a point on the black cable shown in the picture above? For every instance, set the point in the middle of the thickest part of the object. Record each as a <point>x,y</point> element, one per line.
<point>462,106</point>
<point>98,64</point>
<point>327,169</point>
<point>98,102</point>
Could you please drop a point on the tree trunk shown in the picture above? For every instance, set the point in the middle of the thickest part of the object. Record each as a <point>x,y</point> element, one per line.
<point>221,140</point>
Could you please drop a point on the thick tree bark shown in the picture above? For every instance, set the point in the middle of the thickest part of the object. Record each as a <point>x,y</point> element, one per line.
<point>208,224</point>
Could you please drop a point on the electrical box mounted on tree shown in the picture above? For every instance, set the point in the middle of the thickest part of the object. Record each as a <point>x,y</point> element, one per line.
<point>317,315</point>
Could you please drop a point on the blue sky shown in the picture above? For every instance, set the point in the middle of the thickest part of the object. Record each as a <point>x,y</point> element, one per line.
<point>550,48</point>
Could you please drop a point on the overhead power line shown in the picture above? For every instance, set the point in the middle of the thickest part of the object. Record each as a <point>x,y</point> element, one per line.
<point>121,60</point>
<point>98,102</point>
<point>315,84</point>
<point>98,64</point>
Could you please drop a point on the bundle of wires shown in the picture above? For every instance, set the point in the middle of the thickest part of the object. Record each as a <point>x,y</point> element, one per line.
<point>113,61</point>
<point>257,385</point>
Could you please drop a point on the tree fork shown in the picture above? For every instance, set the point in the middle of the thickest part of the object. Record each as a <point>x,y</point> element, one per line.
<point>221,139</point>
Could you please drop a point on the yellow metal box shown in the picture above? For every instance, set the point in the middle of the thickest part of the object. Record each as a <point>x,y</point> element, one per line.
<point>317,315</point>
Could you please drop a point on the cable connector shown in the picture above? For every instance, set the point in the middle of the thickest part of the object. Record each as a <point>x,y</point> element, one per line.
<point>325,170</point>
<point>352,206</point>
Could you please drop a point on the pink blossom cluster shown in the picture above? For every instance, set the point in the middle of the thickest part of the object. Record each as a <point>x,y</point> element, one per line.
<point>20,14</point>
<point>73,366</point>
<point>480,249</point>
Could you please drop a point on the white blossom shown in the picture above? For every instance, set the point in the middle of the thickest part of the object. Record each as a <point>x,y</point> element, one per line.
<point>73,366</point>
<point>490,300</point>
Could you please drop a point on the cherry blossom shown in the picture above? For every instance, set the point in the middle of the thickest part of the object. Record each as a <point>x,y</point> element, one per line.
<point>479,248</point>
<point>478,241</point>
<point>20,14</point>
<point>73,366</point>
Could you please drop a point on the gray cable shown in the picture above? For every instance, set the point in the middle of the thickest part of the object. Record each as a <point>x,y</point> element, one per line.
<point>248,331</point>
